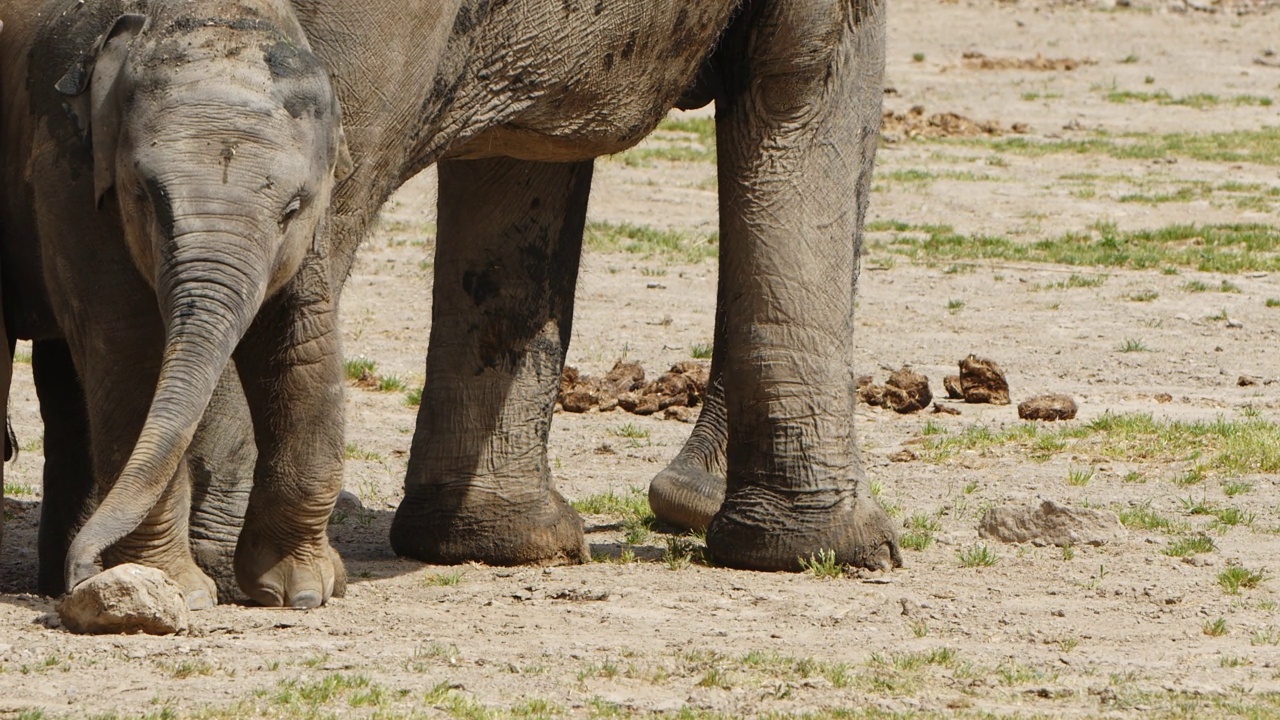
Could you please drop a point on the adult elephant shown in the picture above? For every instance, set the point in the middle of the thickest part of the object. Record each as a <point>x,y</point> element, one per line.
<point>169,167</point>
<point>521,96</point>
<point>513,100</point>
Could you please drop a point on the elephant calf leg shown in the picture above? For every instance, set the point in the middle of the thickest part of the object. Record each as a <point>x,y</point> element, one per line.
<point>690,489</point>
<point>290,364</point>
<point>161,541</point>
<point>478,485</point>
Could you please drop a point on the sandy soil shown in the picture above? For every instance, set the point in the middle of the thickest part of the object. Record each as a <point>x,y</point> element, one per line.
<point>1118,630</point>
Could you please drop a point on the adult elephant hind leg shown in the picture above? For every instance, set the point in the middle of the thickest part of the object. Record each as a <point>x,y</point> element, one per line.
<point>797,127</point>
<point>290,365</point>
<point>690,489</point>
<point>479,485</point>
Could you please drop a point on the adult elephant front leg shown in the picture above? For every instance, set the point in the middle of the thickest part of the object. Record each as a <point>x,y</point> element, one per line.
<point>478,485</point>
<point>797,128</point>
<point>290,364</point>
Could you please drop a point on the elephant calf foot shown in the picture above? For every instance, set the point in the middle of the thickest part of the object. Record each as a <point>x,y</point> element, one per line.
<point>274,575</point>
<point>200,591</point>
<point>686,495</point>
<point>431,526</point>
<point>763,529</point>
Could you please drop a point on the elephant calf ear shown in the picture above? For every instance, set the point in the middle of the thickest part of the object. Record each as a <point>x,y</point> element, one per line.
<point>98,71</point>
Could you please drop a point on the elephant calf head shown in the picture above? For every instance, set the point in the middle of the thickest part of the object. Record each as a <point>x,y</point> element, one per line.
<point>218,134</point>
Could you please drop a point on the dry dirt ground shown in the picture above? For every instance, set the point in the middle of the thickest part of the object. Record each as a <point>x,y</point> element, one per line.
<point>1165,117</point>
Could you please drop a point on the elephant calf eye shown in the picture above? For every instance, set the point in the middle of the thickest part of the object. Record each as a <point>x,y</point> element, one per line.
<point>291,210</point>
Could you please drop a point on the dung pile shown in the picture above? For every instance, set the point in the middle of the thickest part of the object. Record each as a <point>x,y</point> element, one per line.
<point>905,391</point>
<point>683,386</point>
<point>914,123</point>
<point>975,60</point>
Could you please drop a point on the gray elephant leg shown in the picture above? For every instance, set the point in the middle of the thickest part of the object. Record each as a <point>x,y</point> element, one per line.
<point>478,485</point>
<point>221,461</point>
<point>68,469</point>
<point>797,127</point>
<point>689,491</point>
<point>290,365</point>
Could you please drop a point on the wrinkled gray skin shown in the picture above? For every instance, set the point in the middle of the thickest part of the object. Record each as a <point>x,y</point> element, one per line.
<point>169,165</point>
<point>514,100</point>
<point>522,96</point>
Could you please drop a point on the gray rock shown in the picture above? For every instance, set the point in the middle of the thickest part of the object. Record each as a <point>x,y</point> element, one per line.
<point>127,598</point>
<point>1051,524</point>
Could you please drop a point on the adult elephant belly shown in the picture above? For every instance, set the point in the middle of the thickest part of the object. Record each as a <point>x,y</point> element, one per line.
<point>573,94</point>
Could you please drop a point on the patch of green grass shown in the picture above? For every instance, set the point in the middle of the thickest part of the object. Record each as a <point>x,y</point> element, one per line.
<point>1079,281</point>
<point>1261,146</point>
<point>632,509</point>
<point>17,489</point>
<point>351,451</point>
<point>413,398</point>
<point>1215,628</point>
<point>444,579</point>
<point>1145,296</point>
<point>359,368</point>
<point>917,57</point>
<point>390,383</point>
<point>1142,517</point>
<point>823,565</point>
<point>1272,302</point>
<point>631,431</point>
<point>920,530</point>
<point>955,305</point>
<point>701,351</point>
<point>1266,636</point>
<point>1230,517</point>
<point>977,556</point>
<point>22,357</point>
<point>1230,248</point>
<point>1079,477</point>
<point>1132,345</point>
<point>1236,487</point>
<point>1236,577</point>
<point>669,245</point>
<point>1189,545</point>
<point>1221,447</point>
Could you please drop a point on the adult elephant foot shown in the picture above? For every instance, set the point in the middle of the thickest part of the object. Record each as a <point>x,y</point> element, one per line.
<point>759,529</point>
<point>278,573</point>
<point>432,527</point>
<point>689,491</point>
<point>479,486</point>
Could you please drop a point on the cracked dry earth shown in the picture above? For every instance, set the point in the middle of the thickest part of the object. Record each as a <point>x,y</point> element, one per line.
<point>1121,630</point>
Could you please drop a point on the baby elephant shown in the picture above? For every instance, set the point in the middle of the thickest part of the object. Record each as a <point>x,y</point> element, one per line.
<point>168,166</point>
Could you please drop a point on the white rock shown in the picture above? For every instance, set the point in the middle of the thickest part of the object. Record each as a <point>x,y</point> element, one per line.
<point>127,598</point>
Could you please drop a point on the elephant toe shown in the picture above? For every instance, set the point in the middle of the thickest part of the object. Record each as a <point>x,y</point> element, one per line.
<point>303,578</point>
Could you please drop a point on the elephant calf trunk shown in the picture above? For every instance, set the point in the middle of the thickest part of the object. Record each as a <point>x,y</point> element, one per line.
<point>206,321</point>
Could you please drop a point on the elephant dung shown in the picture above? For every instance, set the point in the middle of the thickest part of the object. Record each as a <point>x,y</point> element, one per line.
<point>982,381</point>
<point>907,391</point>
<point>127,598</point>
<point>1051,524</point>
<point>870,393</point>
<point>951,383</point>
<point>1048,407</point>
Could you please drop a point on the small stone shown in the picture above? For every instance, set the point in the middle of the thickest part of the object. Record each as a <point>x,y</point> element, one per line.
<point>1163,398</point>
<point>1048,407</point>
<point>127,598</point>
<point>348,503</point>
<point>982,381</point>
<point>1246,381</point>
<point>1051,524</point>
<point>904,455</point>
